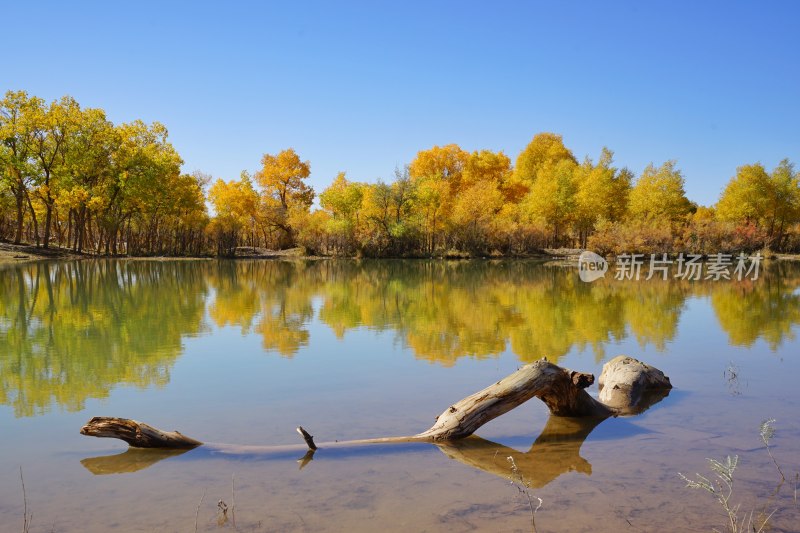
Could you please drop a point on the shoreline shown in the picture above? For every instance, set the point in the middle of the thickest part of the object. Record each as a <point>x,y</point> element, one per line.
<point>26,253</point>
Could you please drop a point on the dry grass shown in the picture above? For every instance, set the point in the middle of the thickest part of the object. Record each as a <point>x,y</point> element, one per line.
<point>722,487</point>
<point>27,518</point>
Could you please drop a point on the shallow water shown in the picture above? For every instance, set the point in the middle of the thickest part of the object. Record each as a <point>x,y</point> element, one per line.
<point>242,352</point>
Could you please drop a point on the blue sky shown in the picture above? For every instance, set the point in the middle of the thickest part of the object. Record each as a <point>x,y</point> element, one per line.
<point>363,86</point>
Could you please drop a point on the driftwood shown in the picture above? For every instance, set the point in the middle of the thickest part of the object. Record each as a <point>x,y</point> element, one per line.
<point>561,389</point>
<point>137,434</point>
<point>628,387</point>
<point>555,451</point>
<point>625,383</point>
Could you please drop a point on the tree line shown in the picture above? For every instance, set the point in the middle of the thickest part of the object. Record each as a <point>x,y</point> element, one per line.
<point>72,178</point>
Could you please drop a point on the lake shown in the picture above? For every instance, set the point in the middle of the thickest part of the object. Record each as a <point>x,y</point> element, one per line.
<point>244,351</point>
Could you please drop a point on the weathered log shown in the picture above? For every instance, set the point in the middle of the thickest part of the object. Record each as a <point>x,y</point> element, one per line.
<point>136,434</point>
<point>307,437</point>
<point>561,389</point>
<point>555,452</point>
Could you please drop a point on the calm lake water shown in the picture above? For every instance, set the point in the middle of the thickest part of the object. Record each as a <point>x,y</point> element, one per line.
<point>243,352</point>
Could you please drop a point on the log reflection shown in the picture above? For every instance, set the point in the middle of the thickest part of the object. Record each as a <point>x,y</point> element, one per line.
<point>131,460</point>
<point>556,451</point>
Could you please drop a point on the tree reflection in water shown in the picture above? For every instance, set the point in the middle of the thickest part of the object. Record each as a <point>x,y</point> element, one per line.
<point>70,331</point>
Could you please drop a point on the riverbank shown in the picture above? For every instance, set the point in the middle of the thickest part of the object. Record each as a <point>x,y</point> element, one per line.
<point>20,253</point>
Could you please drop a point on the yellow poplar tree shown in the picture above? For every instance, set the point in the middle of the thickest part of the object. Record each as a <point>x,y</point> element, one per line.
<point>544,150</point>
<point>601,193</point>
<point>658,195</point>
<point>768,201</point>
<point>343,200</point>
<point>236,205</point>
<point>551,199</point>
<point>284,190</point>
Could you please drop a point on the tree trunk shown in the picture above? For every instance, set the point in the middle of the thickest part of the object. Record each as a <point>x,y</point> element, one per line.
<point>20,197</point>
<point>48,217</point>
<point>70,216</point>
<point>561,389</point>
<point>625,383</point>
<point>84,219</point>
<point>33,217</point>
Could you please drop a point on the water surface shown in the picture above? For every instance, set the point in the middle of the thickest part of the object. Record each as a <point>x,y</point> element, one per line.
<point>242,352</point>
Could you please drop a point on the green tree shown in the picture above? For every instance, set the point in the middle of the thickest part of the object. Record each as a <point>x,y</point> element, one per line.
<point>137,200</point>
<point>54,127</point>
<point>17,133</point>
<point>88,172</point>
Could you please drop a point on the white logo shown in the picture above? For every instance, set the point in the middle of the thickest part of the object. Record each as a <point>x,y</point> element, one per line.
<point>591,266</point>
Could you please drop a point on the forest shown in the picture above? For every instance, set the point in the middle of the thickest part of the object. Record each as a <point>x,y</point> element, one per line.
<point>71,179</point>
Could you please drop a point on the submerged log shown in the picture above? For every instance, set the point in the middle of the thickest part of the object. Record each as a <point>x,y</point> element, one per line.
<point>137,434</point>
<point>555,452</point>
<point>563,391</point>
<point>307,437</point>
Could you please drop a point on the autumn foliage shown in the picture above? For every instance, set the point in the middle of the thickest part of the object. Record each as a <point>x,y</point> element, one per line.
<point>71,178</point>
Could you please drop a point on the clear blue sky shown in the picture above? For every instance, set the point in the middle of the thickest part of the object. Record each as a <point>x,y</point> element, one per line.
<point>363,86</point>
